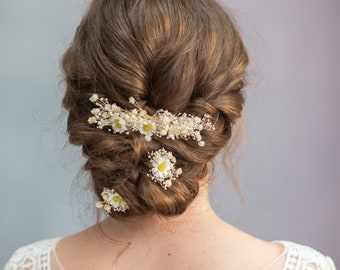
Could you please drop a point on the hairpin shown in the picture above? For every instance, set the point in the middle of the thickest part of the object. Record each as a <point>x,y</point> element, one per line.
<point>162,167</point>
<point>161,124</point>
<point>112,200</point>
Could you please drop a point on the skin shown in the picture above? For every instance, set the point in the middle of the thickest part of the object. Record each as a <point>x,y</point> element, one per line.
<point>198,239</point>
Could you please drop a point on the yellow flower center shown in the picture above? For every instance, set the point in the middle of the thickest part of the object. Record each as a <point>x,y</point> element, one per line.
<point>117,199</point>
<point>147,127</point>
<point>118,124</point>
<point>161,167</point>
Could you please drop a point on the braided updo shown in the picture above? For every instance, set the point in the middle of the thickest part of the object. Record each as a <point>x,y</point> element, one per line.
<point>176,55</point>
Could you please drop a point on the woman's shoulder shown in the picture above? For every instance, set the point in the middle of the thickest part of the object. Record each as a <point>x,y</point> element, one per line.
<point>300,257</point>
<point>270,255</point>
<point>33,256</point>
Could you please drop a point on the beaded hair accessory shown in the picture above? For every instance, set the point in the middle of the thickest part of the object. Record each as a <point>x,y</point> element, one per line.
<point>161,163</point>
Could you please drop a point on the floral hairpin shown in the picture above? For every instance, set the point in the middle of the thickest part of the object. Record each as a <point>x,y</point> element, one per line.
<point>162,123</point>
<point>112,200</point>
<point>162,167</point>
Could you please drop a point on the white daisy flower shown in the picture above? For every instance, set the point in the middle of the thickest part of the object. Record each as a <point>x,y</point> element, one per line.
<point>118,123</point>
<point>146,127</point>
<point>162,167</point>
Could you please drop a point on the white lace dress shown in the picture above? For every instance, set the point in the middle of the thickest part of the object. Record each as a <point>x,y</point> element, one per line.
<point>42,256</point>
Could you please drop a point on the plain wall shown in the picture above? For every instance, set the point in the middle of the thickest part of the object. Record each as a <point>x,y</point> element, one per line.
<point>289,173</point>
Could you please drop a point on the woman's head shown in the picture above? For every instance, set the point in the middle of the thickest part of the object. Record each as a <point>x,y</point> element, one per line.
<point>176,55</point>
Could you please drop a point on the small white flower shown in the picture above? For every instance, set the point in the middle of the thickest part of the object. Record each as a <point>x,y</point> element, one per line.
<point>115,109</point>
<point>162,167</point>
<point>132,100</point>
<point>95,111</point>
<point>201,143</point>
<point>163,132</point>
<point>106,115</point>
<point>174,131</point>
<point>107,208</point>
<point>118,123</point>
<point>146,127</point>
<point>94,98</point>
<point>197,120</point>
<point>167,183</point>
<point>198,136</point>
<point>92,120</point>
<point>112,200</point>
<point>100,204</point>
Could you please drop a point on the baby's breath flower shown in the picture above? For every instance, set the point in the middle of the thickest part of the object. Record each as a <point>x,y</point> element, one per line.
<point>201,143</point>
<point>100,204</point>
<point>94,98</point>
<point>92,120</point>
<point>95,111</point>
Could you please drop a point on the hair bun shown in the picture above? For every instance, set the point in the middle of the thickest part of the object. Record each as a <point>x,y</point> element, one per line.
<point>190,59</point>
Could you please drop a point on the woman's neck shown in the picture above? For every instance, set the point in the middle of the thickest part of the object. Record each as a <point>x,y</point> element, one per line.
<point>198,216</point>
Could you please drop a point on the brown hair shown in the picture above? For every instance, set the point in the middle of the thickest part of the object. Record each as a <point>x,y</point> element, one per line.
<point>178,55</point>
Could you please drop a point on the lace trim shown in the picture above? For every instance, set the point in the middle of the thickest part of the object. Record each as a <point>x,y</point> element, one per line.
<point>33,256</point>
<point>55,256</point>
<point>282,256</point>
<point>301,257</point>
<point>37,256</point>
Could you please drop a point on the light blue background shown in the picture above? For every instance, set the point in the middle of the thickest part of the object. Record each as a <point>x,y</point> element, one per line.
<point>290,171</point>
